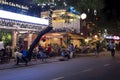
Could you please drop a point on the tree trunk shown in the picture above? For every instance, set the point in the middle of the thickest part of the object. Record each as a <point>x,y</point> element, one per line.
<point>35,42</point>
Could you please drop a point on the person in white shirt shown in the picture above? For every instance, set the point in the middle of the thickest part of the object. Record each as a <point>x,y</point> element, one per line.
<point>19,56</point>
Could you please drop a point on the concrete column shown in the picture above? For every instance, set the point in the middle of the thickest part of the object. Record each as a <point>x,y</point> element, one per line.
<point>29,40</point>
<point>14,41</point>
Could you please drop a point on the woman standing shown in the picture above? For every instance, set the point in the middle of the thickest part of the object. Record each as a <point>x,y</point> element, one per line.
<point>71,49</point>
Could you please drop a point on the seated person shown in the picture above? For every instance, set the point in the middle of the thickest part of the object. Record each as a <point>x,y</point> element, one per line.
<point>65,54</point>
<point>43,55</point>
<point>19,56</point>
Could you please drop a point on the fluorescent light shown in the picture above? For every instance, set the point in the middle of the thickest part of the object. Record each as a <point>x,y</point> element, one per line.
<point>24,18</point>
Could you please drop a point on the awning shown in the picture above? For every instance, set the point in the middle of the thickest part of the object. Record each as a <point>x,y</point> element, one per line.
<point>63,34</point>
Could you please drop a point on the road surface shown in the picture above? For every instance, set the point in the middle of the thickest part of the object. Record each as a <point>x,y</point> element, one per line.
<point>82,68</point>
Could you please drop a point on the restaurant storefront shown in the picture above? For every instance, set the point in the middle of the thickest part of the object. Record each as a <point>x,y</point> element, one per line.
<point>18,31</point>
<point>62,39</point>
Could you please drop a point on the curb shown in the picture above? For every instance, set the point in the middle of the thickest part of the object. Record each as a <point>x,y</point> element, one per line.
<point>11,65</point>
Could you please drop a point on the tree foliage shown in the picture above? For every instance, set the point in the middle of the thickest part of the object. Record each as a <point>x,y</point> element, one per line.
<point>81,5</point>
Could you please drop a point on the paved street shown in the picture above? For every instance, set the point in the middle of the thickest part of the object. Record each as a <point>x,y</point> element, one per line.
<point>84,67</point>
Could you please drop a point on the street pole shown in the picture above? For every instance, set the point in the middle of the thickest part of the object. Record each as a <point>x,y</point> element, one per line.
<point>51,12</point>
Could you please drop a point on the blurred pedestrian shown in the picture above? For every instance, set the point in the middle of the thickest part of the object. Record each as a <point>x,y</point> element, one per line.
<point>71,49</point>
<point>42,55</point>
<point>65,54</point>
<point>97,49</point>
<point>112,48</point>
<point>19,56</point>
<point>8,51</point>
<point>48,50</point>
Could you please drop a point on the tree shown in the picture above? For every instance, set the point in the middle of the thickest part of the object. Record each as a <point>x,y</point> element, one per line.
<point>88,6</point>
<point>93,10</point>
<point>108,13</point>
<point>82,5</point>
<point>35,42</point>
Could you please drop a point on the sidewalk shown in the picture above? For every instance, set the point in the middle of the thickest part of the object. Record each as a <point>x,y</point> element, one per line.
<point>11,64</point>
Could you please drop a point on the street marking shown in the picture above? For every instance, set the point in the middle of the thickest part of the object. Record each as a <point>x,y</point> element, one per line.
<point>106,65</point>
<point>86,70</point>
<point>59,78</point>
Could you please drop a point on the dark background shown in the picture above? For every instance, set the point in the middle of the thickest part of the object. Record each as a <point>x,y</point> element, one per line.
<point>112,9</point>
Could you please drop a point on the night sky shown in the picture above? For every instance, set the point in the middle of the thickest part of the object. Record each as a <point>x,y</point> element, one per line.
<point>112,9</point>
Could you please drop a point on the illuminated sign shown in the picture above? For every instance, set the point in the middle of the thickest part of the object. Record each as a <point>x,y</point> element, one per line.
<point>24,18</point>
<point>116,37</point>
<point>71,9</point>
<point>12,4</point>
<point>109,37</point>
<point>113,37</point>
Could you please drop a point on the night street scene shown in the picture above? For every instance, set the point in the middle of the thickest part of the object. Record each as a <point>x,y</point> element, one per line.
<point>59,40</point>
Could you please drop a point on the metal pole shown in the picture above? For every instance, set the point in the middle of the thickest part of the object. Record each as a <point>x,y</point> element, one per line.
<point>50,17</point>
<point>51,12</point>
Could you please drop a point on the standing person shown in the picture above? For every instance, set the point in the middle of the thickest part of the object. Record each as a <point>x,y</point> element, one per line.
<point>9,51</point>
<point>76,49</point>
<point>40,47</point>
<point>48,50</point>
<point>71,49</point>
<point>97,49</point>
<point>112,48</point>
<point>35,54</point>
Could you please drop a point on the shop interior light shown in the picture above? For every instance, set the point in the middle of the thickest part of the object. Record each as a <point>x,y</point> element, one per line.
<point>24,18</point>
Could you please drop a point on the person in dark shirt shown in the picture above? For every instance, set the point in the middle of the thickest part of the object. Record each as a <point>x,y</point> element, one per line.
<point>48,50</point>
<point>97,49</point>
<point>112,48</point>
